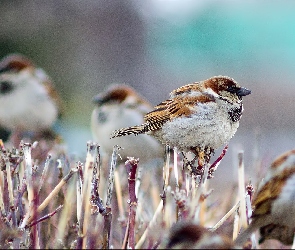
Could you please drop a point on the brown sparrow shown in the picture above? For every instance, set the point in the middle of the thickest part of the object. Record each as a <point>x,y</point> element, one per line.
<point>274,203</point>
<point>28,101</point>
<point>117,107</point>
<point>198,117</point>
<point>184,235</point>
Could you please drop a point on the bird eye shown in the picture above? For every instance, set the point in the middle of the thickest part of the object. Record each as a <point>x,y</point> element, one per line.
<point>5,87</point>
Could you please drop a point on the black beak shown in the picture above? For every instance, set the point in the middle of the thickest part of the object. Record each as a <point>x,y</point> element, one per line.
<point>98,99</point>
<point>243,92</point>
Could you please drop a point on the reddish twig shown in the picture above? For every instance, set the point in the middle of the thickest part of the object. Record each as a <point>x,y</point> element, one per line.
<point>34,238</point>
<point>131,167</point>
<point>45,217</point>
<point>216,163</point>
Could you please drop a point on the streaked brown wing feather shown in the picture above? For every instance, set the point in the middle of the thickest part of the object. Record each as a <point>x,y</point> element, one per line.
<point>171,109</point>
<point>270,191</point>
<point>156,118</point>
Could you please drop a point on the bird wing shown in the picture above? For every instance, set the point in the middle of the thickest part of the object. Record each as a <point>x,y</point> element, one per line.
<point>270,191</point>
<point>171,109</point>
<point>155,119</point>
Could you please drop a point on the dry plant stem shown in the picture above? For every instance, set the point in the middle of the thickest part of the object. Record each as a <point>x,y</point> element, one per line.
<point>5,193</point>
<point>165,174</point>
<point>236,224</point>
<point>29,179</point>
<point>44,173</point>
<point>131,166</point>
<point>10,192</point>
<point>9,182</point>
<point>293,245</point>
<point>34,237</point>
<point>249,196</point>
<point>249,214</point>
<point>18,201</point>
<point>138,180</point>
<point>125,241</point>
<point>150,226</point>
<point>195,204</point>
<point>111,175</point>
<point>119,195</point>
<point>202,206</point>
<point>243,215</point>
<point>94,200</point>
<point>249,209</point>
<point>175,166</point>
<point>1,201</point>
<point>79,187</point>
<point>108,215</point>
<point>225,217</point>
<point>99,166</point>
<point>45,217</point>
<point>167,166</point>
<point>27,148</point>
<point>168,214</point>
<point>86,194</point>
<point>107,228</point>
<point>65,213</point>
<point>53,193</point>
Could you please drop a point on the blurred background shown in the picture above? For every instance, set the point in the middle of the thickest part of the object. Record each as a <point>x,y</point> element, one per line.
<point>157,46</point>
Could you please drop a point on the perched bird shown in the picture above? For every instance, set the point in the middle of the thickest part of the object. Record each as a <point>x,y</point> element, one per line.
<point>198,117</point>
<point>185,235</point>
<point>29,103</point>
<point>117,107</point>
<point>274,203</point>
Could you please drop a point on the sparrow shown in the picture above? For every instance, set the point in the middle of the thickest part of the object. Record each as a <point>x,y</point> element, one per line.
<point>199,117</point>
<point>119,106</point>
<point>28,100</point>
<point>274,203</point>
<point>186,235</point>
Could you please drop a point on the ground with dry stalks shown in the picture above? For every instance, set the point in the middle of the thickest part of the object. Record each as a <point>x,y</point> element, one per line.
<point>63,202</point>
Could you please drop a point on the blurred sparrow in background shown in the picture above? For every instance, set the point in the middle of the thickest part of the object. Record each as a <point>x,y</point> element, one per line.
<point>184,235</point>
<point>120,106</point>
<point>274,203</point>
<point>198,117</point>
<point>28,102</point>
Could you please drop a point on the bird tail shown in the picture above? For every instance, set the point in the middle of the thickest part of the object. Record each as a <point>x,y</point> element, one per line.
<point>128,131</point>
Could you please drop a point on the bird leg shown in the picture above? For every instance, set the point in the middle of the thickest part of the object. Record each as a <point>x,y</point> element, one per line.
<point>190,165</point>
<point>203,156</point>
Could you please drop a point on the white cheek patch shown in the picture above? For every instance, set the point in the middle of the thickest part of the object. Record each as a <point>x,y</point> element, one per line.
<point>209,91</point>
